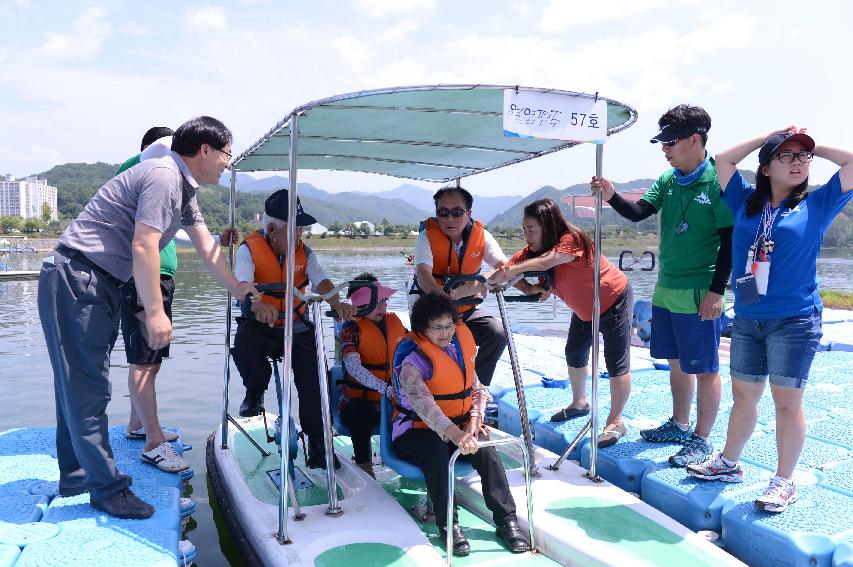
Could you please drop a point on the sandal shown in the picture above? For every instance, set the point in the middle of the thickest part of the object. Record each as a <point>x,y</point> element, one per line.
<point>569,412</point>
<point>608,438</point>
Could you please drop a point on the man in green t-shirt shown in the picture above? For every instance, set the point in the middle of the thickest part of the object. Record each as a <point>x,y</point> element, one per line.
<point>695,264</point>
<point>144,362</point>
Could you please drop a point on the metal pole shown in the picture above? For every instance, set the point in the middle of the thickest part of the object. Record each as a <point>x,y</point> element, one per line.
<point>519,387</point>
<point>331,481</point>
<point>284,409</point>
<point>227,371</point>
<point>573,209</point>
<point>596,313</point>
<point>451,488</point>
<point>555,466</point>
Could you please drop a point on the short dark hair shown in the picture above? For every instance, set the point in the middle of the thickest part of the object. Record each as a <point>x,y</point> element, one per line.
<point>154,134</point>
<point>687,116</point>
<point>430,307</point>
<point>190,135</point>
<point>469,199</point>
<point>362,277</point>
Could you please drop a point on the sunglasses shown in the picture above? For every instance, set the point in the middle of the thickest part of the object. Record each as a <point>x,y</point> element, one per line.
<point>455,212</point>
<point>670,143</point>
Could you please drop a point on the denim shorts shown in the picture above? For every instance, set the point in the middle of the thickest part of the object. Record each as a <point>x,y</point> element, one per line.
<point>782,349</point>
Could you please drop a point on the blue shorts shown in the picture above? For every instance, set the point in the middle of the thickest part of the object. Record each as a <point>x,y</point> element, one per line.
<point>781,349</point>
<point>685,336</point>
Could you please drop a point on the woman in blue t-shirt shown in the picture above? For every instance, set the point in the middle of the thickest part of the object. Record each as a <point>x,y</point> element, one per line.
<point>778,230</point>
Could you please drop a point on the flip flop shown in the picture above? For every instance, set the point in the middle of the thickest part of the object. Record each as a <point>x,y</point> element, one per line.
<point>569,413</point>
<point>608,438</point>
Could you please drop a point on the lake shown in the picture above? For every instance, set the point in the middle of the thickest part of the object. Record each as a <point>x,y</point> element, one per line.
<point>190,384</point>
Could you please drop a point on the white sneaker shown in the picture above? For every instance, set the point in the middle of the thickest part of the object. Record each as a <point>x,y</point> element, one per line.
<point>779,494</point>
<point>164,457</point>
<point>140,434</point>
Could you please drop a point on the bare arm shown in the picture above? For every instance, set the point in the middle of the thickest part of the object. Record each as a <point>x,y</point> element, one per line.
<point>344,310</point>
<point>215,261</point>
<point>145,248</point>
<point>841,157</point>
<point>727,160</point>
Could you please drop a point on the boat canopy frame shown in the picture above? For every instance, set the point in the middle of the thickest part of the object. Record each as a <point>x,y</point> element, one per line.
<point>442,134</point>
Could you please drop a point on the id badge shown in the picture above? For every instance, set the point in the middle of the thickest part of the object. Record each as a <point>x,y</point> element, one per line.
<point>747,289</point>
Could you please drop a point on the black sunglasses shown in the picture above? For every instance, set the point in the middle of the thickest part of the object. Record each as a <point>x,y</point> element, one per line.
<point>455,212</point>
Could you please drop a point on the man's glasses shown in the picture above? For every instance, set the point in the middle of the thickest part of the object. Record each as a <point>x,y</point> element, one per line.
<point>455,212</point>
<point>224,152</point>
<point>670,143</point>
<point>440,328</point>
<point>789,157</point>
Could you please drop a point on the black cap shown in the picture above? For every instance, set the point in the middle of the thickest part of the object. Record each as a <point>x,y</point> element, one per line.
<point>672,132</point>
<point>773,142</point>
<point>276,206</point>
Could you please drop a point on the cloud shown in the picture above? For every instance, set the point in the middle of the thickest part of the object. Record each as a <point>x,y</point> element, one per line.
<point>4,54</point>
<point>207,18</point>
<point>88,32</point>
<point>559,16</point>
<point>135,29</point>
<point>381,8</point>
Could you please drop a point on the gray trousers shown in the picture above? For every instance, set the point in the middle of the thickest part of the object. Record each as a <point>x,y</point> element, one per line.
<point>79,307</point>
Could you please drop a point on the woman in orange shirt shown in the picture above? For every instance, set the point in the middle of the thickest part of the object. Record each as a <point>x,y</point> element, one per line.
<point>555,244</point>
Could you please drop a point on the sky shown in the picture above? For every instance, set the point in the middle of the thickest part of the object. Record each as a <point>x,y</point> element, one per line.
<point>81,81</point>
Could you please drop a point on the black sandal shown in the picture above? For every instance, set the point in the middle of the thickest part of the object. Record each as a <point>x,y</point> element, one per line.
<point>569,412</point>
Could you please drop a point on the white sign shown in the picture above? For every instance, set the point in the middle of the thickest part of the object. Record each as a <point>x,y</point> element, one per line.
<point>554,116</point>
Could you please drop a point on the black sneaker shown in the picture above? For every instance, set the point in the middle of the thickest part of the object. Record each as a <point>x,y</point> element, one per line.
<point>124,504</point>
<point>253,404</point>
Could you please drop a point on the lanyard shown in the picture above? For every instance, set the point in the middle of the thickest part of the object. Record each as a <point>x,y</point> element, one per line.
<point>763,234</point>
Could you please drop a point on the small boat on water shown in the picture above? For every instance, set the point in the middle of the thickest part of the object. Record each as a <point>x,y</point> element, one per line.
<point>280,511</point>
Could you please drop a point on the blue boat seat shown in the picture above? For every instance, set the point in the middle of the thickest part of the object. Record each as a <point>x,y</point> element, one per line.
<point>336,375</point>
<point>392,461</point>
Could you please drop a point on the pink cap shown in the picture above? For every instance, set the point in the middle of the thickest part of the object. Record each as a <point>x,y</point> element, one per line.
<point>362,295</point>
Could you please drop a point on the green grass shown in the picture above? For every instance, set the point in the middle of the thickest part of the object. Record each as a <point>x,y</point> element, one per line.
<point>837,299</point>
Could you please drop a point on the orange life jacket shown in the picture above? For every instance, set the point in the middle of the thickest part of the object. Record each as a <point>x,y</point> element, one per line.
<point>444,260</point>
<point>376,350</point>
<point>268,269</point>
<point>451,384</point>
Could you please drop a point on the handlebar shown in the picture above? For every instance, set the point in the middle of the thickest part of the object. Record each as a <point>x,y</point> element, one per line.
<point>279,290</point>
<point>546,283</point>
<point>456,281</point>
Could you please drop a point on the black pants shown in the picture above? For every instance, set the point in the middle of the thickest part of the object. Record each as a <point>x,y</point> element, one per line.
<point>360,416</point>
<point>255,342</point>
<point>425,449</point>
<point>491,341</point>
<point>79,307</point>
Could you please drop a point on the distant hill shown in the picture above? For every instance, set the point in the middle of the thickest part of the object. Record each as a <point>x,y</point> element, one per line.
<point>512,217</point>
<point>485,208</point>
<point>76,183</point>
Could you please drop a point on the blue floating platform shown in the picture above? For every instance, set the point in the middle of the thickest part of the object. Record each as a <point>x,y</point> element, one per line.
<point>843,556</point>
<point>30,441</point>
<point>806,535</point>
<point>67,531</point>
<point>698,504</point>
<point>9,555</point>
<point>556,437</point>
<point>19,507</point>
<point>627,462</point>
<point>761,450</point>
<point>107,546</point>
<point>837,430</point>
<point>165,500</point>
<point>840,476</point>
